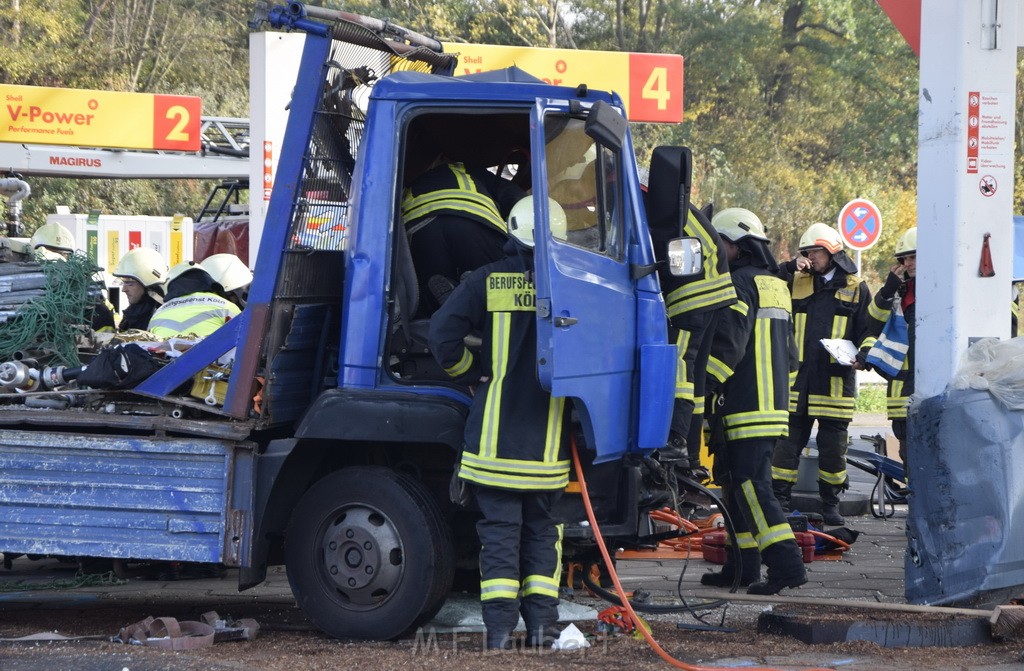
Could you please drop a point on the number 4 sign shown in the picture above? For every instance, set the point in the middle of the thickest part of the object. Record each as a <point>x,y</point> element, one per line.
<point>656,87</point>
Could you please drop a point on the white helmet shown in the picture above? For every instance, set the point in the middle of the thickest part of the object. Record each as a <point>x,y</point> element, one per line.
<point>54,237</point>
<point>182,268</point>
<point>907,244</point>
<point>520,221</point>
<point>144,265</point>
<point>228,271</point>
<point>821,235</point>
<point>736,223</point>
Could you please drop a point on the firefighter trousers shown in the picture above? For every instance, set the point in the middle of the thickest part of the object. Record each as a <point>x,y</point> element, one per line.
<point>688,410</point>
<point>756,515</point>
<point>831,439</point>
<point>520,559</point>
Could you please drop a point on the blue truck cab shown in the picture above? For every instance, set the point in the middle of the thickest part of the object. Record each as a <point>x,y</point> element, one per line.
<point>338,435</point>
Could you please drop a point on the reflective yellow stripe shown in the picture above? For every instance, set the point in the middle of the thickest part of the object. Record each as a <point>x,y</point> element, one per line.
<point>718,370</point>
<point>463,366</point>
<point>746,541</point>
<point>553,439</point>
<point>766,424</point>
<point>514,481</point>
<point>499,588</point>
<point>800,330</point>
<point>877,313</point>
<point>539,584</point>
<point>763,364</point>
<point>684,389</point>
<point>784,474</point>
<point>501,329</point>
<point>868,341</point>
<point>775,534</point>
<point>741,307</point>
<point>700,294</point>
<point>837,478</point>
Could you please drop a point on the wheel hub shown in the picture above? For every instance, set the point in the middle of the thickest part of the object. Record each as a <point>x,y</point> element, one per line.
<point>363,555</point>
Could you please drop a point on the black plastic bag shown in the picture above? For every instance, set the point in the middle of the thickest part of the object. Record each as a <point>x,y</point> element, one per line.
<point>119,367</point>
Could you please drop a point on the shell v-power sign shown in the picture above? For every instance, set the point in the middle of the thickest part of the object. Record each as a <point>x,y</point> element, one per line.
<point>85,118</point>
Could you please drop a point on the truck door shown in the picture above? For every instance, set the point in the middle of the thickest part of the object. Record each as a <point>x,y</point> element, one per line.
<point>586,303</point>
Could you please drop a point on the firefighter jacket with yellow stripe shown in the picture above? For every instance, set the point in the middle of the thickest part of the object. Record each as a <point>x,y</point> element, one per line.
<point>200,313</point>
<point>751,357</point>
<point>515,435</point>
<point>712,288</point>
<point>454,189</point>
<point>899,388</point>
<point>837,309</point>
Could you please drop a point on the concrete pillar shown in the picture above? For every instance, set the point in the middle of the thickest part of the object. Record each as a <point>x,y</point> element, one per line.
<point>965,179</point>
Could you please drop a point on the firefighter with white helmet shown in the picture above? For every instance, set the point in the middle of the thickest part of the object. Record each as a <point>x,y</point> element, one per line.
<point>895,298</point>
<point>231,276</point>
<point>516,452</point>
<point>53,240</point>
<point>829,301</point>
<point>142,272</point>
<point>190,306</point>
<point>748,382</point>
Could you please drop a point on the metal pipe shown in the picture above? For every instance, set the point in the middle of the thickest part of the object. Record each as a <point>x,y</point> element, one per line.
<point>16,191</point>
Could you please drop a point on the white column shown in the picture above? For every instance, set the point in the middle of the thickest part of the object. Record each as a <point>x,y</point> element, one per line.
<point>965,179</point>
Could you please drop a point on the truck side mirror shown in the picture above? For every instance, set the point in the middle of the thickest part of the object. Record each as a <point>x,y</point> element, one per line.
<point>606,126</point>
<point>685,257</point>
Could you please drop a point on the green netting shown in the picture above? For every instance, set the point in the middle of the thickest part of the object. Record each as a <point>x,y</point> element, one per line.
<point>55,319</point>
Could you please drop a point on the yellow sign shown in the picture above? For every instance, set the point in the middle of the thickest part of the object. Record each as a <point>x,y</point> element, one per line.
<point>651,85</point>
<point>85,118</point>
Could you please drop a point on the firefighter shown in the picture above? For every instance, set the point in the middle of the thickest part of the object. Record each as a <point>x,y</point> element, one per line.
<point>455,219</point>
<point>190,306</point>
<point>693,304</point>
<point>54,242</point>
<point>515,456</point>
<point>900,285</point>
<point>231,277</point>
<point>829,301</point>
<point>748,381</point>
<point>142,272</point>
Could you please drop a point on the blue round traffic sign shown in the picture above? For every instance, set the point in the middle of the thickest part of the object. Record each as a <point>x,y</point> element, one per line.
<point>860,224</point>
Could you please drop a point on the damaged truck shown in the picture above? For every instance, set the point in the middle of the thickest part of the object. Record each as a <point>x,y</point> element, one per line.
<point>315,430</point>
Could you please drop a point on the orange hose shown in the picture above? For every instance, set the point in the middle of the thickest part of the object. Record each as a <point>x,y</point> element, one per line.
<point>679,664</point>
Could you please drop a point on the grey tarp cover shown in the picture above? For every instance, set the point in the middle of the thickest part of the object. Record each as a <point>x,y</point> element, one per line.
<point>966,523</point>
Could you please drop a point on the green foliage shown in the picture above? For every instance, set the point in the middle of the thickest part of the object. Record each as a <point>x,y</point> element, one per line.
<point>870,399</point>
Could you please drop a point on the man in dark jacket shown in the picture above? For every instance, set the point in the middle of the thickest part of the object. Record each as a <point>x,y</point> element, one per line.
<point>829,301</point>
<point>748,378</point>
<point>454,216</point>
<point>515,455</point>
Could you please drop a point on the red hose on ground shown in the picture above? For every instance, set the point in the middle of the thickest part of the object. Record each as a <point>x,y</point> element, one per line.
<point>679,664</point>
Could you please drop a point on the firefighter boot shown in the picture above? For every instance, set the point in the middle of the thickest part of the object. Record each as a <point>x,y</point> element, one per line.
<point>783,490</point>
<point>750,570</point>
<point>674,451</point>
<point>542,637</point>
<point>830,503</point>
<point>785,568</point>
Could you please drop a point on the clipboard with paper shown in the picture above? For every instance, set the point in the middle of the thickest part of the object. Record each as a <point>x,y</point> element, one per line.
<point>843,351</point>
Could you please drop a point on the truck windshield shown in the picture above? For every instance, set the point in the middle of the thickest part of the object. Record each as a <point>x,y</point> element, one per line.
<point>583,179</point>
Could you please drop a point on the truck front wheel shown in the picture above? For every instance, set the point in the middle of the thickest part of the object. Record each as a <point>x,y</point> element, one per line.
<point>368,554</point>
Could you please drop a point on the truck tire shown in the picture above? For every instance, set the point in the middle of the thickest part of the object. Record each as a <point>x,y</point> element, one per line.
<point>369,554</point>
